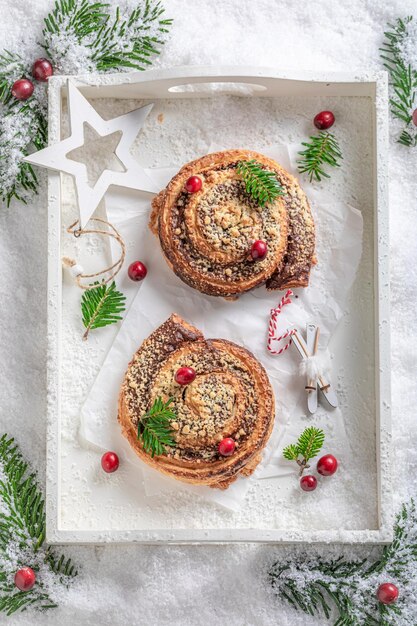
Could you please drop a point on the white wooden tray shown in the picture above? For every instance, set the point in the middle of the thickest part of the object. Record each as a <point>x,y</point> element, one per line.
<point>82,505</point>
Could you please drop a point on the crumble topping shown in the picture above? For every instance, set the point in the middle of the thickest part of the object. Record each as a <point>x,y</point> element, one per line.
<point>214,228</point>
<point>220,402</point>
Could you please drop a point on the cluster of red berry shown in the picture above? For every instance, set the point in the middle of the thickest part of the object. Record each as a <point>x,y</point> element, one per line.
<point>23,88</point>
<point>326,466</point>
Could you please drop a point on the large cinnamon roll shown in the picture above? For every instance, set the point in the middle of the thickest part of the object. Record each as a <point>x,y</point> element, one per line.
<point>206,233</point>
<point>228,399</point>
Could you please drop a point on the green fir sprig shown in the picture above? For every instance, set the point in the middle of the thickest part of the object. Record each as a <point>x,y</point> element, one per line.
<point>154,428</point>
<point>260,183</point>
<point>22,535</point>
<point>101,306</point>
<point>322,149</point>
<point>344,590</point>
<point>403,78</point>
<point>309,444</point>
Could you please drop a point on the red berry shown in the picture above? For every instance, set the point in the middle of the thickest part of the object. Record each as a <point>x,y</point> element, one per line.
<point>308,483</point>
<point>22,89</point>
<point>137,271</point>
<point>387,593</point>
<point>110,462</point>
<point>227,446</point>
<point>327,465</point>
<point>414,116</point>
<point>324,120</point>
<point>193,184</point>
<point>25,578</point>
<point>42,69</point>
<point>185,375</point>
<point>259,250</point>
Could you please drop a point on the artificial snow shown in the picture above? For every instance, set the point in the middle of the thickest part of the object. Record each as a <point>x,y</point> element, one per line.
<point>193,585</point>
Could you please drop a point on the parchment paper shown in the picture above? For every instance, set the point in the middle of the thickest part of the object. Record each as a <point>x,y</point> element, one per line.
<point>245,321</point>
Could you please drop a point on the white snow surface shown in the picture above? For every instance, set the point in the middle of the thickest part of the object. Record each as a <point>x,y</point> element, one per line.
<point>194,585</point>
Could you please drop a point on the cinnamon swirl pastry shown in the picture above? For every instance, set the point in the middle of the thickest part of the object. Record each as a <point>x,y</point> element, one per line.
<point>207,223</point>
<point>222,410</point>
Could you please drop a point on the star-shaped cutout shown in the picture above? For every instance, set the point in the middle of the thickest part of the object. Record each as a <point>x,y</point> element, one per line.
<point>56,157</point>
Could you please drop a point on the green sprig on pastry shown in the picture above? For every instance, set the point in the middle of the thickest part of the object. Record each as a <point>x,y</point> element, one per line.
<point>260,183</point>
<point>154,428</point>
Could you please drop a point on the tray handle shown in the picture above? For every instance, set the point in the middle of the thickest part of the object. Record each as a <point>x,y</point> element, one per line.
<point>220,86</point>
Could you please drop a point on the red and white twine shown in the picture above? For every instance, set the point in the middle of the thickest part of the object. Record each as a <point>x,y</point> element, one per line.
<point>273,323</point>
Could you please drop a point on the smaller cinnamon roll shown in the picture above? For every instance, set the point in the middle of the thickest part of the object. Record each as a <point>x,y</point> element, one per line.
<point>229,397</point>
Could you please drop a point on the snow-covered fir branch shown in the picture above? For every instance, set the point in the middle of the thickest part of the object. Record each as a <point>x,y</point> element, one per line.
<point>22,536</point>
<point>23,128</point>
<point>83,37</point>
<point>398,53</point>
<point>345,590</point>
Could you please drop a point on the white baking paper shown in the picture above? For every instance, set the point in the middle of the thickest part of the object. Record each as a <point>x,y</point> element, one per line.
<point>245,321</point>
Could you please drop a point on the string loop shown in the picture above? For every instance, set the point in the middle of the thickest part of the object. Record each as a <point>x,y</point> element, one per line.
<point>112,271</point>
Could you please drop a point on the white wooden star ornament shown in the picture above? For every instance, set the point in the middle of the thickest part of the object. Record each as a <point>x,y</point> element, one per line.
<point>55,157</point>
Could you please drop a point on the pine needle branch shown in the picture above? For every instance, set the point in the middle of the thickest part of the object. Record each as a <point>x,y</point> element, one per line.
<point>142,33</point>
<point>22,534</point>
<point>309,444</point>
<point>346,589</point>
<point>403,78</point>
<point>154,428</point>
<point>80,17</point>
<point>408,138</point>
<point>322,149</point>
<point>260,183</point>
<point>108,43</point>
<point>101,306</point>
